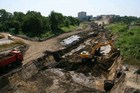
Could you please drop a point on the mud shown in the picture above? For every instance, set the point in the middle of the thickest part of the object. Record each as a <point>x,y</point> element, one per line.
<point>63,72</point>
<point>132,90</point>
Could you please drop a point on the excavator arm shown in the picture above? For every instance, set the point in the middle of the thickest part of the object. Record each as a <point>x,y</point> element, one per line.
<point>92,54</point>
<point>97,47</point>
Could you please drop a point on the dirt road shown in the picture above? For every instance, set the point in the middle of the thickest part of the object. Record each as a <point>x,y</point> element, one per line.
<point>36,49</point>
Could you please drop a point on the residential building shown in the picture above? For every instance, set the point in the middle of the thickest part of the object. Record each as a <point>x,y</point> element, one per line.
<point>84,17</point>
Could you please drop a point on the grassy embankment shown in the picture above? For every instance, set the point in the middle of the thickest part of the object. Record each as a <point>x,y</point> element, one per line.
<point>128,41</point>
<point>64,30</point>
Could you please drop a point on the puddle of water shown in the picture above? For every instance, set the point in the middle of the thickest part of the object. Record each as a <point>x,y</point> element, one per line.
<point>5,41</point>
<point>70,40</point>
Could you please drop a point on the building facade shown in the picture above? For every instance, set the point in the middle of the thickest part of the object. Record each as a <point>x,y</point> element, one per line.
<point>84,17</point>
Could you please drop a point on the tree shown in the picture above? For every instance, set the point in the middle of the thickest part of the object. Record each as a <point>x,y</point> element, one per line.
<point>18,16</point>
<point>4,15</point>
<point>56,20</point>
<point>1,27</point>
<point>67,23</point>
<point>73,21</point>
<point>46,24</point>
<point>32,24</point>
<point>13,26</point>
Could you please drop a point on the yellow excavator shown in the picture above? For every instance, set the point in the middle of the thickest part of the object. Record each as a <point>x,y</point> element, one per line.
<point>92,56</point>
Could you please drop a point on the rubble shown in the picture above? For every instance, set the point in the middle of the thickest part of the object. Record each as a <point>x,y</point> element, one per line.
<point>70,40</point>
<point>63,72</point>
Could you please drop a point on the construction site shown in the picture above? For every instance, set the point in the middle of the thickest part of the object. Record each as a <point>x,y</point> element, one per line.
<point>81,61</point>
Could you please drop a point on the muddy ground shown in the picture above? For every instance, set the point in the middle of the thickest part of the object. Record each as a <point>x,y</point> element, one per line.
<point>68,75</point>
<point>36,48</point>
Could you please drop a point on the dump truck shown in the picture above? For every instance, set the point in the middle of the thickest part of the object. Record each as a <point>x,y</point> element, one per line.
<point>13,58</point>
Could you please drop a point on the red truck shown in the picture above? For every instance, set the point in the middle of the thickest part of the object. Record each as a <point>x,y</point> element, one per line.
<point>13,58</point>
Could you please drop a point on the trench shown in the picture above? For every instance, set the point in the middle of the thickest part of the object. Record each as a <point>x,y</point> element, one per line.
<point>54,73</point>
<point>35,68</point>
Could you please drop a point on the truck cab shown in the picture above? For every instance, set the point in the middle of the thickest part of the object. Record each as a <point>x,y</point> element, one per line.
<point>18,54</point>
<point>15,57</point>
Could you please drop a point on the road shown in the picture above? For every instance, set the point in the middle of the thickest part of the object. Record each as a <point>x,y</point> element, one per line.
<point>36,49</point>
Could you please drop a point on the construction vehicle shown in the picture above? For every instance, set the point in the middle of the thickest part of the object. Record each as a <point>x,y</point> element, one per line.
<point>13,58</point>
<point>96,51</point>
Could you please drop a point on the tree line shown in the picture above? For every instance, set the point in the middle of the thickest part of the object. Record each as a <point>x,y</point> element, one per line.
<point>125,19</point>
<point>33,23</point>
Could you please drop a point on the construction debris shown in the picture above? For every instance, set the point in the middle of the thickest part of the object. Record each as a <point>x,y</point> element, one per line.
<point>63,71</point>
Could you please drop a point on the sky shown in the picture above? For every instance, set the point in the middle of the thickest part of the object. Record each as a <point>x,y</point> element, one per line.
<point>72,7</point>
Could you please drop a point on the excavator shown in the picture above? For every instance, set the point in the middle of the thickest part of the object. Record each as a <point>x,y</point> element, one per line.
<point>95,52</point>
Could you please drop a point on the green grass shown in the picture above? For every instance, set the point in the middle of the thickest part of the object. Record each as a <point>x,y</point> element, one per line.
<point>128,42</point>
<point>63,30</point>
<point>84,25</point>
<point>47,34</point>
<point>117,28</point>
<point>68,29</point>
<point>132,61</point>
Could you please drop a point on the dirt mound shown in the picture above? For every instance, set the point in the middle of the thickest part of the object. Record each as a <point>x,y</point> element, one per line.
<point>53,81</point>
<point>63,72</point>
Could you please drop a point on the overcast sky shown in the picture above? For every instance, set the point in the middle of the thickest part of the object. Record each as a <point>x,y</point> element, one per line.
<point>72,7</point>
